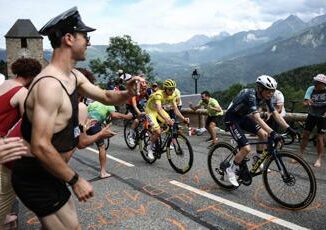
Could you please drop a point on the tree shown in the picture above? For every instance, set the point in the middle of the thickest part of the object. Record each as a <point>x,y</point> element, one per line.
<point>123,53</point>
<point>3,67</point>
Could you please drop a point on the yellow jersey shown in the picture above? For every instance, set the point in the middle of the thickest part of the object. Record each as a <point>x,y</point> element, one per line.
<point>159,97</point>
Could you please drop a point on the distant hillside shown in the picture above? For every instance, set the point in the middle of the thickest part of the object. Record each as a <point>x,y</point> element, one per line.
<point>293,84</point>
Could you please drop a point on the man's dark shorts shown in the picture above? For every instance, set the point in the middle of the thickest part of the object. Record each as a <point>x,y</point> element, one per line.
<point>237,125</point>
<point>39,190</point>
<point>95,129</point>
<point>210,119</point>
<point>313,121</point>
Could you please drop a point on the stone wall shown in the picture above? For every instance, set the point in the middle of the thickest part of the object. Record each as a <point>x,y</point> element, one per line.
<point>14,51</point>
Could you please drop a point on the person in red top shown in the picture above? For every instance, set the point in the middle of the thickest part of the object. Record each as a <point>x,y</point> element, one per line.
<point>12,96</point>
<point>136,108</point>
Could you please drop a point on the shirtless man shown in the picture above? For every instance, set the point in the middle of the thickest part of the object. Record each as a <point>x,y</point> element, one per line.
<point>50,125</point>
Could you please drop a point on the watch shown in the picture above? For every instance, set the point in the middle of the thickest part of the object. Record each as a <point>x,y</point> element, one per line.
<point>73,180</point>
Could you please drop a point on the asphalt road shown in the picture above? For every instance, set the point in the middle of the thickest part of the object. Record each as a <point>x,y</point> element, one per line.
<point>144,196</point>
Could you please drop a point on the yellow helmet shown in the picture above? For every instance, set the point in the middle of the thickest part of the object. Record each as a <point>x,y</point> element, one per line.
<point>169,83</point>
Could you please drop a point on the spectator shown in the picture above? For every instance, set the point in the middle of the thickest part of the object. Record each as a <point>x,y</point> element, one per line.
<point>12,96</point>
<point>214,110</point>
<point>315,99</point>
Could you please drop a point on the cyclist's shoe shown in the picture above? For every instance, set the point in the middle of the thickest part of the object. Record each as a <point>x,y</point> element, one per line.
<point>171,147</point>
<point>131,140</point>
<point>150,152</point>
<point>230,175</point>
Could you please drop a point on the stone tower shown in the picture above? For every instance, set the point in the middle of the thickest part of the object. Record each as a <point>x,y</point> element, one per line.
<point>23,40</point>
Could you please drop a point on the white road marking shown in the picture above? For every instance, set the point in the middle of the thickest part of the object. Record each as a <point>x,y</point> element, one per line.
<point>113,158</point>
<point>240,207</point>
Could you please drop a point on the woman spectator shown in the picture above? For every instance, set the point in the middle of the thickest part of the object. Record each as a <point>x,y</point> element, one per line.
<point>12,96</point>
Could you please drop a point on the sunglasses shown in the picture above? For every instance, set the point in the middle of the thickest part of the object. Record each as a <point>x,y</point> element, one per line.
<point>87,38</point>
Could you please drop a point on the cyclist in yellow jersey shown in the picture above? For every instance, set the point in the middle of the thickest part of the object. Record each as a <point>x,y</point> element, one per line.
<point>154,111</point>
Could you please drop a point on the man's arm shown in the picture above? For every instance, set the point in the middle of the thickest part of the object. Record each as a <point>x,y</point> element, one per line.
<point>179,114</point>
<point>134,105</point>
<point>108,97</point>
<point>194,108</point>
<point>279,119</point>
<point>261,122</point>
<point>45,113</point>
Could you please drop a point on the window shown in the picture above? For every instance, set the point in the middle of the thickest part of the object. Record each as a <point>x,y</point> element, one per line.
<point>23,43</point>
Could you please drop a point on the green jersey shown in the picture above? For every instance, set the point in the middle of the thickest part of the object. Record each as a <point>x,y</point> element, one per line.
<point>211,103</point>
<point>99,111</point>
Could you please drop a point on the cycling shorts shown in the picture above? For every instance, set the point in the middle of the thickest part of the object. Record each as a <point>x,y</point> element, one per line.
<point>313,121</point>
<point>38,189</point>
<point>96,129</point>
<point>153,117</point>
<point>237,125</point>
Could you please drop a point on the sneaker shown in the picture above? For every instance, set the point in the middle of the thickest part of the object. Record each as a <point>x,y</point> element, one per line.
<point>171,147</point>
<point>230,175</point>
<point>131,140</point>
<point>150,152</point>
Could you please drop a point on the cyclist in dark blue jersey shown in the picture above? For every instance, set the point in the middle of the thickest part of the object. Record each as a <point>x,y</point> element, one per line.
<point>243,115</point>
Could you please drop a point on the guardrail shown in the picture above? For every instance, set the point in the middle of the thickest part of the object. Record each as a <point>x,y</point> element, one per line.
<point>198,117</point>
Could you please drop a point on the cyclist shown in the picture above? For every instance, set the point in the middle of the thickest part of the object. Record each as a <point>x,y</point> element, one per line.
<point>155,111</point>
<point>100,113</point>
<point>315,99</point>
<point>136,107</point>
<point>243,114</point>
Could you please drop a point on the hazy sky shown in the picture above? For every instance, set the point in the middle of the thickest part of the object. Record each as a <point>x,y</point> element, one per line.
<point>155,21</point>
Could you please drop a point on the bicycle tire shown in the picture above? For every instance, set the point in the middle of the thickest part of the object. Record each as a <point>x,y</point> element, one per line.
<point>143,143</point>
<point>295,179</point>
<point>180,159</point>
<point>219,158</point>
<point>126,133</point>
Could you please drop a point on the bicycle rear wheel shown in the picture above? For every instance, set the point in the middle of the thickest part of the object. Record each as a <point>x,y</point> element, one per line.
<point>219,158</point>
<point>143,143</point>
<point>180,155</point>
<point>295,189</point>
<point>126,135</point>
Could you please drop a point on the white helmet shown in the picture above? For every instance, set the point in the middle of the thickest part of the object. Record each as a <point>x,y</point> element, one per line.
<point>321,78</point>
<point>2,78</point>
<point>266,82</point>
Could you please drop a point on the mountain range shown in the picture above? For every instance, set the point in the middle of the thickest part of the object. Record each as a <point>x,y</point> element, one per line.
<point>225,59</point>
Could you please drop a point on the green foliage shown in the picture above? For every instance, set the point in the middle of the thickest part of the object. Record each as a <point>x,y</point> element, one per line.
<point>293,84</point>
<point>3,67</point>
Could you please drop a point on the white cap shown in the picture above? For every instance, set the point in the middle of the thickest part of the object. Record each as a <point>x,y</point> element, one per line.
<point>125,77</point>
<point>2,78</point>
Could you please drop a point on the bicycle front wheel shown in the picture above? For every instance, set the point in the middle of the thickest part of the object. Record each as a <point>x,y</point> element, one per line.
<point>143,143</point>
<point>295,186</point>
<point>219,158</point>
<point>127,135</point>
<point>180,154</point>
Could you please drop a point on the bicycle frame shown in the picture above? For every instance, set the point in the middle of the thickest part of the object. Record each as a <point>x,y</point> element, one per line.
<point>271,152</point>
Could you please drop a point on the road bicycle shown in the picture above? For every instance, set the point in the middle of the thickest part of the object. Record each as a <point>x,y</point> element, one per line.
<point>142,124</point>
<point>172,142</point>
<point>292,185</point>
